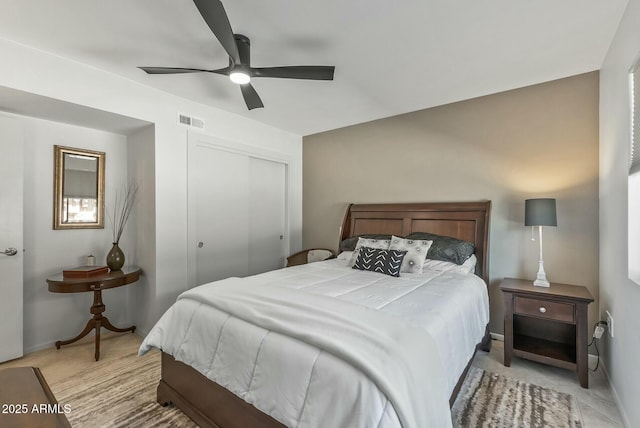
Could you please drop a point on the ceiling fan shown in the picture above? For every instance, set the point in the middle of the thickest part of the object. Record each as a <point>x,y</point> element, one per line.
<point>239,69</point>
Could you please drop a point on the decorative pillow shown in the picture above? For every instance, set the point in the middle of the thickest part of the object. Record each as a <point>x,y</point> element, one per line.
<point>445,247</point>
<point>382,244</point>
<point>388,262</point>
<point>469,266</point>
<point>349,244</point>
<point>416,253</point>
<point>345,255</point>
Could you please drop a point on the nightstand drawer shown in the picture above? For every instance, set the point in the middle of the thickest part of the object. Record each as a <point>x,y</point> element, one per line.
<point>545,309</point>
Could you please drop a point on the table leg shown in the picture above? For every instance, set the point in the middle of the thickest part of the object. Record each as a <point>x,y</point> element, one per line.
<point>97,322</point>
<point>582,344</point>
<point>98,325</point>
<point>508,329</point>
<point>97,309</point>
<point>87,329</point>
<point>107,324</point>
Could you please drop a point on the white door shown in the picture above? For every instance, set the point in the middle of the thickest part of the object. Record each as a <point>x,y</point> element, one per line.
<point>222,214</point>
<point>266,215</point>
<point>237,218</point>
<point>11,182</point>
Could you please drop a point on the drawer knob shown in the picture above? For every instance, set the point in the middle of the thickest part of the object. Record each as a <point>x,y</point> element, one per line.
<point>543,309</point>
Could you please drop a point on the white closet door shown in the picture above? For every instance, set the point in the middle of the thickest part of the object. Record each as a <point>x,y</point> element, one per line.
<point>222,214</point>
<point>266,215</point>
<point>238,209</point>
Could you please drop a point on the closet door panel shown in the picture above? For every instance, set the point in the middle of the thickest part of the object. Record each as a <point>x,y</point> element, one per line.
<point>267,215</point>
<point>222,214</point>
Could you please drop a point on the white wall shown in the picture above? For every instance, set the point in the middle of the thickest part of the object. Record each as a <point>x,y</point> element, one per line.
<point>141,167</point>
<point>52,316</point>
<point>162,254</point>
<point>618,294</point>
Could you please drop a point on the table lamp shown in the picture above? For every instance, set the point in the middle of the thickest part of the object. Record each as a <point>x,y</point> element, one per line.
<point>540,212</point>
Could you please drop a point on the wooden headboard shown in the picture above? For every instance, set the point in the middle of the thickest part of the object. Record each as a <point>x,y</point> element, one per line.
<point>468,221</point>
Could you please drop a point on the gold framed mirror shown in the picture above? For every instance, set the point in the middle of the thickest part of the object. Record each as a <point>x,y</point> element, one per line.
<point>78,188</point>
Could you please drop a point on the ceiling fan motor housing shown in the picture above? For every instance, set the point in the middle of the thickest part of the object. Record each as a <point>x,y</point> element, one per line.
<point>244,50</point>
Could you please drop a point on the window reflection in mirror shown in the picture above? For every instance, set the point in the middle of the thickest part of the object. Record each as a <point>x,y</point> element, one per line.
<point>78,188</point>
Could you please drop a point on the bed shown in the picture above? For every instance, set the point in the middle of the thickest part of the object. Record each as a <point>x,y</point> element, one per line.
<point>300,347</point>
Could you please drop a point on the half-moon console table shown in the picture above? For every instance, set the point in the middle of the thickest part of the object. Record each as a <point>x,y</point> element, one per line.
<point>59,284</point>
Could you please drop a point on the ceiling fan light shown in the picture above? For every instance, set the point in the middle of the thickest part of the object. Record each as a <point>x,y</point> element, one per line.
<point>239,77</point>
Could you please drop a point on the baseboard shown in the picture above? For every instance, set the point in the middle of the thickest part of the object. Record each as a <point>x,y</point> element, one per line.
<point>497,336</point>
<point>593,360</point>
<point>52,344</point>
<point>616,397</point>
<point>38,347</point>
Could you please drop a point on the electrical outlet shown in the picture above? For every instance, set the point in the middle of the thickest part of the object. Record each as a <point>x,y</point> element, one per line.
<point>609,322</point>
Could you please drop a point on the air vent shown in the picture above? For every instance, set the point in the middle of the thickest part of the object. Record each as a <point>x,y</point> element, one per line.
<point>190,121</point>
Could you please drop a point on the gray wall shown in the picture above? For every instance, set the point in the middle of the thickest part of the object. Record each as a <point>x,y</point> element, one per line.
<point>619,295</point>
<point>538,141</point>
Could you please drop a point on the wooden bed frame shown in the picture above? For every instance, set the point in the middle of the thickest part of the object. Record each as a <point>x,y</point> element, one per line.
<point>468,221</point>
<point>211,405</point>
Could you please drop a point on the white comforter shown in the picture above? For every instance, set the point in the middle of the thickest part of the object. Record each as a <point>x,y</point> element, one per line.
<point>279,342</point>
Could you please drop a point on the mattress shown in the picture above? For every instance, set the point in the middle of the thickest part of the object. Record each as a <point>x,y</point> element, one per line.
<point>301,379</point>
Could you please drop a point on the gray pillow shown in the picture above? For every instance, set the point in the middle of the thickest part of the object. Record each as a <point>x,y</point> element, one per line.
<point>349,244</point>
<point>445,248</point>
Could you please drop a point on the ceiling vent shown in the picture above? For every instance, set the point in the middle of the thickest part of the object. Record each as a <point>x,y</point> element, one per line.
<point>190,121</point>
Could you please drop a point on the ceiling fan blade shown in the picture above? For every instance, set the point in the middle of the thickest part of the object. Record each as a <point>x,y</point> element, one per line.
<point>311,72</point>
<point>215,16</point>
<point>171,70</point>
<point>178,70</point>
<point>251,97</point>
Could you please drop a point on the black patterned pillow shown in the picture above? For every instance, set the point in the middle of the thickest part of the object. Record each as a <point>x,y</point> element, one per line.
<point>387,262</point>
<point>382,244</point>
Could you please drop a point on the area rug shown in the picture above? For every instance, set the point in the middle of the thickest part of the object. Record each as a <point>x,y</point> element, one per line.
<point>491,400</point>
<point>120,393</point>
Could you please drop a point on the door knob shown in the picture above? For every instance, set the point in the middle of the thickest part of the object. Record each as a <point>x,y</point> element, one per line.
<point>10,251</point>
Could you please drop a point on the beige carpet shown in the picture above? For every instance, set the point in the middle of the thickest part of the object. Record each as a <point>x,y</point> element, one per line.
<point>119,394</point>
<point>494,401</point>
<point>122,393</point>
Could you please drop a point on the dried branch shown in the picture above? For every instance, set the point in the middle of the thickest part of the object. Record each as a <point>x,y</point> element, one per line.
<point>122,207</point>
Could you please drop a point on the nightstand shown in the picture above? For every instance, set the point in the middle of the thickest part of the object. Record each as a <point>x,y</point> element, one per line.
<point>547,325</point>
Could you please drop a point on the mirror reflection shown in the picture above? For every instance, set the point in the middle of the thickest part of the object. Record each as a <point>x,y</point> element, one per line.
<point>79,188</point>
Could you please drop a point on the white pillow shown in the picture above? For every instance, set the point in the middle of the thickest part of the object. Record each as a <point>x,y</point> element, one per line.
<point>381,244</point>
<point>469,266</point>
<point>416,253</point>
<point>345,255</point>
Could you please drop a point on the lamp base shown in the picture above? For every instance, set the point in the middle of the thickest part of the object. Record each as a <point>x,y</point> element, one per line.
<point>541,283</point>
<point>541,277</point>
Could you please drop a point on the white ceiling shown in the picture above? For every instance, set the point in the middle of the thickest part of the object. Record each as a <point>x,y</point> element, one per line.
<point>391,57</point>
